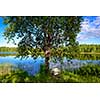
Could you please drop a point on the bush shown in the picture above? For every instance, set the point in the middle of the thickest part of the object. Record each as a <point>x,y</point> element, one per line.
<point>70,77</point>
<point>16,76</point>
<point>89,70</point>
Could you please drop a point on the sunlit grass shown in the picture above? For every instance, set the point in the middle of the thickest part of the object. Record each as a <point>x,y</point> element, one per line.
<point>5,68</point>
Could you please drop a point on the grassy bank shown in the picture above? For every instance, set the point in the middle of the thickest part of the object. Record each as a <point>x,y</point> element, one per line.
<point>85,74</point>
<point>93,53</point>
<point>5,68</point>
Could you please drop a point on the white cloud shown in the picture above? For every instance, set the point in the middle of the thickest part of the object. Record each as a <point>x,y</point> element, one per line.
<point>89,29</point>
<point>85,25</point>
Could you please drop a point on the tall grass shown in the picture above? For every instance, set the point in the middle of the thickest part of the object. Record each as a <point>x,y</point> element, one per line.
<point>6,68</point>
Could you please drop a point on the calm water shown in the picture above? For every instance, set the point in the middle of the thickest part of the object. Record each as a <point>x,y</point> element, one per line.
<point>30,65</point>
<point>33,65</point>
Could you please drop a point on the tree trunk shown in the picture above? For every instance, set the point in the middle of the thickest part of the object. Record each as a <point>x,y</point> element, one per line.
<point>47,57</point>
<point>47,64</point>
<point>47,49</point>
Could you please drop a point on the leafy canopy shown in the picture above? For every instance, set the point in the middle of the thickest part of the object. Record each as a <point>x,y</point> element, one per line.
<point>38,33</point>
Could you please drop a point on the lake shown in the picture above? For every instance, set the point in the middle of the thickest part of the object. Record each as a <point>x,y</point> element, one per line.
<point>32,66</point>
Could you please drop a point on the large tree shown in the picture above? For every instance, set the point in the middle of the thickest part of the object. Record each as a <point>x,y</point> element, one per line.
<point>39,34</point>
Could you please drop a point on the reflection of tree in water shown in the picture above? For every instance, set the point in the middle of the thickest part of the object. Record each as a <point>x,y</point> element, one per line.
<point>86,56</point>
<point>89,57</point>
<point>4,55</point>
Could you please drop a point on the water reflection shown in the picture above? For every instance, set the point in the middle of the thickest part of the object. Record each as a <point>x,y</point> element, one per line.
<point>4,54</point>
<point>72,64</point>
<point>33,65</point>
<point>30,65</point>
<point>87,57</point>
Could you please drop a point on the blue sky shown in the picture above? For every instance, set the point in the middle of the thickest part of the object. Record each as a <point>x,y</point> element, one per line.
<point>90,32</point>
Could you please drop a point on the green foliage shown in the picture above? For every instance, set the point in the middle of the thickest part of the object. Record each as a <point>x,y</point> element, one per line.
<point>70,77</point>
<point>65,77</point>
<point>16,76</point>
<point>42,32</point>
<point>86,74</point>
<point>42,70</point>
<point>89,70</point>
<point>88,56</point>
<point>69,51</point>
<point>93,48</point>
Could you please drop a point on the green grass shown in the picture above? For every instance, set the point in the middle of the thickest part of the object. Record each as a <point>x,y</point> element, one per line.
<point>85,74</point>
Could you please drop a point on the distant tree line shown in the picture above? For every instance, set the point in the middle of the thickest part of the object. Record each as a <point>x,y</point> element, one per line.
<point>89,48</point>
<point>8,49</point>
